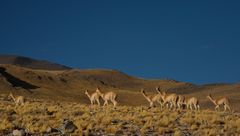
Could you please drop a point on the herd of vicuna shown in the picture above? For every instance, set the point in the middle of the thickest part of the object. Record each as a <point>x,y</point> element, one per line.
<point>168,100</point>
<point>173,100</point>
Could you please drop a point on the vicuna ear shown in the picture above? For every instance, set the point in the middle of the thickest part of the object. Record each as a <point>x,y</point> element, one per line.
<point>10,94</point>
<point>158,89</point>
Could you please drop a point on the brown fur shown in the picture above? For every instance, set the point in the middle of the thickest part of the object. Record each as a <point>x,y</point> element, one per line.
<point>109,96</point>
<point>18,100</point>
<point>221,101</point>
<point>94,97</point>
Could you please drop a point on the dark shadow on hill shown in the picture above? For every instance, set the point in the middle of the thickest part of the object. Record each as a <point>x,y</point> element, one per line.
<point>16,82</point>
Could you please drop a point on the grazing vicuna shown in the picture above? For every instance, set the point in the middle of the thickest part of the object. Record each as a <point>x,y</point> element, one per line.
<point>192,102</point>
<point>94,97</point>
<point>218,102</point>
<point>18,100</point>
<point>168,99</point>
<point>152,98</point>
<point>109,96</point>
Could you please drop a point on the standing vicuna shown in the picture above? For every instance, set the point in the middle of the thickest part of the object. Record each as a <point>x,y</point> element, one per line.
<point>152,98</point>
<point>192,102</point>
<point>109,96</point>
<point>18,100</point>
<point>94,97</point>
<point>218,102</point>
<point>168,99</point>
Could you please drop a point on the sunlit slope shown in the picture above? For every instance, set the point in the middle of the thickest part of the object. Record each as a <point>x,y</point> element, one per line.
<point>70,85</point>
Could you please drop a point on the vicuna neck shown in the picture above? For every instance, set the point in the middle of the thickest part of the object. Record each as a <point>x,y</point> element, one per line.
<point>88,95</point>
<point>13,97</point>
<point>211,99</point>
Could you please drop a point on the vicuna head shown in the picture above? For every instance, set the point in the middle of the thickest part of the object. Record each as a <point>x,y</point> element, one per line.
<point>86,92</point>
<point>10,96</point>
<point>99,92</point>
<point>209,96</point>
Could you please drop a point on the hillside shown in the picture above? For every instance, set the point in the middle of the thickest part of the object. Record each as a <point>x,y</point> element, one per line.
<point>74,82</point>
<point>70,85</point>
<point>30,63</point>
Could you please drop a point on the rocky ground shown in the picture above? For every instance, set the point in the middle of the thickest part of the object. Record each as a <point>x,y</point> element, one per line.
<point>41,117</point>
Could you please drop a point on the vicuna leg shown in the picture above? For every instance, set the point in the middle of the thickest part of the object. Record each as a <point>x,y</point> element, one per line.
<point>151,104</point>
<point>167,105</point>
<point>171,105</point>
<point>195,106</point>
<point>98,102</point>
<point>225,108</point>
<point>191,107</point>
<point>114,103</point>
<point>160,104</point>
<point>179,105</point>
<point>217,108</point>
<point>174,105</point>
<point>187,106</point>
<point>198,107</point>
<point>105,102</point>
<point>228,107</point>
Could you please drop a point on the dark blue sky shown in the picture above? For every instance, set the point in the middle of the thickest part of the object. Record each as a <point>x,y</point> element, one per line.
<point>188,41</point>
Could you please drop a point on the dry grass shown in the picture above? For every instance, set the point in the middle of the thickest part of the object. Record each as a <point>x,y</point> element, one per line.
<point>36,117</point>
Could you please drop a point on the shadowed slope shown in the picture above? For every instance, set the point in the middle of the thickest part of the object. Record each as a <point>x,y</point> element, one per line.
<point>16,82</point>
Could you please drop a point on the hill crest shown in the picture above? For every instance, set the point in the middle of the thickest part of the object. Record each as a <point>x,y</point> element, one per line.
<point>31,63</point>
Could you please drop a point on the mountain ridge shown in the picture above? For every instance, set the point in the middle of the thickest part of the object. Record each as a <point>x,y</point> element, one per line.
<point>31,63</point>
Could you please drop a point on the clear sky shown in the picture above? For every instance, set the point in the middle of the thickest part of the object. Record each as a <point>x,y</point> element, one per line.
<point>191,41</point>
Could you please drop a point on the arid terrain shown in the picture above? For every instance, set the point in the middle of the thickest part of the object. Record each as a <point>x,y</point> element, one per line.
<point>38,117</point>
<point>56,94</point>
